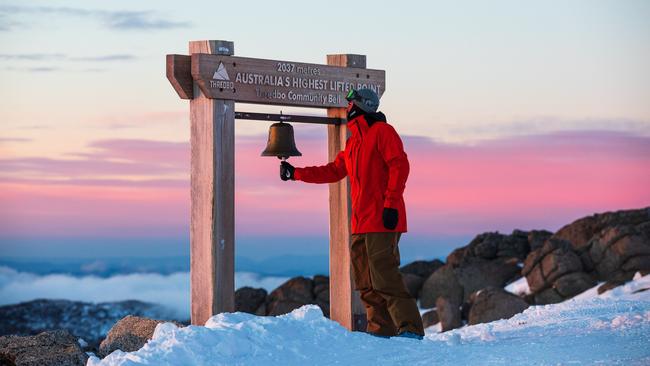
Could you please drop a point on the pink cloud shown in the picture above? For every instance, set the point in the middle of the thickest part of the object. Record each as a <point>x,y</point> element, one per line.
<point>541,181</point>
<point>108,158</point>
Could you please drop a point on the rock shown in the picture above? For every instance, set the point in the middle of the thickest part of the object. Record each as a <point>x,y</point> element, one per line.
<point>544,265</point>
<point>322,293</point>
<point>478,274</point>
<point>537,238</point>
<point>321,283</point>
<point>580,232</point>
<point>515,245</point>
<point>442,282</point>
<point>448,313</point>
<point>464,310</point>
<point>282,307</point>
<point>609,285</point>
<point>413,283</point>
<point>529,299</point>
<point>548,296</point>
<point>619,279</point>
<point>56,348</point>
<point>492,304</point>
<point>637,264</point>
<point>490,246</point>
<point>297,292</point>
<point>473,274</point>
<point>620,248</point>
<point>573,284</point>
<point>129,334</point>
<point>559,262</point>
<point>422,269</point>
<point>457,256</point>
<point>555,272</point>
<point>608,247</point>
<point>430,318</point>
<point>90,321</point>
<point>261,310</point>
<point>248,299</point>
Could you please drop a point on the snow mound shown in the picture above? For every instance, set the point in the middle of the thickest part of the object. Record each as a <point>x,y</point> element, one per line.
<point>593,330</point>
<point>637,289</point>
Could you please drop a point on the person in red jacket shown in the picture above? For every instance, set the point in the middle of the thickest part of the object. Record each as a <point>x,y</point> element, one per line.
<point>378,168</point>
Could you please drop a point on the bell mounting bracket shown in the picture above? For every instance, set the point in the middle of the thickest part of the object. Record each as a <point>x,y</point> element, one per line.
<point>270,117</point>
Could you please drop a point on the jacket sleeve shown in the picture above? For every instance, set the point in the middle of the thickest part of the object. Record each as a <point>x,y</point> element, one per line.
<point>392,151</point>
<point>330,173</point>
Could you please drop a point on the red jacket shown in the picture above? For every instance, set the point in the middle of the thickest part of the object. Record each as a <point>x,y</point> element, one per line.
<point>377,165</point>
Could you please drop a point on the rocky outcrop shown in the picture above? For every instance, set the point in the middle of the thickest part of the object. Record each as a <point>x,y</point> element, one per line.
<point>611,245</point>
<point>129,334</point>
<point>55,348</point>
<point>322,293</point>
<point>490,259</point>
<point>554,272</point>
<point>413,283</point>
<point>478,274</point>
<point>442,282</point>
<point>492,304</point>
<point>608,247</point>
<point>490,246</point>
<point>415,273</point>
<point>430,318</point>
<point>84,320</point>
<point>422,269</point>
<point>297,292</point>
<point>448,314</point>
<point>250,300</point>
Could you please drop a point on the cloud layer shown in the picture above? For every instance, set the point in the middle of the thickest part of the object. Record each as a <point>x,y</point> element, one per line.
<point>171,290</point>
<point>118,20</point>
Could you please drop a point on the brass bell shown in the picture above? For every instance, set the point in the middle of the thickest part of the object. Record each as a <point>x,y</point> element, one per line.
<point>281,142</point>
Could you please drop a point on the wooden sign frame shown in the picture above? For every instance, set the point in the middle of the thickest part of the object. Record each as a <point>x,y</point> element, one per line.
<point>200,78</point>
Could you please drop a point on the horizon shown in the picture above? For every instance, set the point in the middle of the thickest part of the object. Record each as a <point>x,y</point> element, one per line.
<point>514,116</point>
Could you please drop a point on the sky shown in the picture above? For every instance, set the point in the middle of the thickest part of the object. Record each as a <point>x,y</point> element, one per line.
<point>514,115</point>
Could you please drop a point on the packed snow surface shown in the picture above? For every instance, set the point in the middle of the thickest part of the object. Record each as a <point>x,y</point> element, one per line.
<point>605,330</point>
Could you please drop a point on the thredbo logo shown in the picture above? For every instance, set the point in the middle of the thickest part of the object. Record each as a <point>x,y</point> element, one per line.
<point>221,79</point>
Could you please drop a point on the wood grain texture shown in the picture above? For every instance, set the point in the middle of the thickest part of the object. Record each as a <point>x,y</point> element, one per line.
<point>212,199</point>
<point>256,80</point>
<point>179,74</point>
<point>345,303</point>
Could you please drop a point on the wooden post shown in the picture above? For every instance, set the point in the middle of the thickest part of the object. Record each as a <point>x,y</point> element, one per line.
<point>345,304</point>
<point>212,226</point>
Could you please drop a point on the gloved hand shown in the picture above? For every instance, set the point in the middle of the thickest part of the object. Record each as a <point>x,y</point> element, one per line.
<point>286,171</point>
<point>390,217</point>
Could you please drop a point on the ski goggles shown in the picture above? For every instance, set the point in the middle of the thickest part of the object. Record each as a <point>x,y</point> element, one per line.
<point>352,95</point>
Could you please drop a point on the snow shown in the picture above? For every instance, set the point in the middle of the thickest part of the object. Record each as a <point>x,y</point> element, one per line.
<point>610,330</point>
<point>519,287</point>
<point>630,290</point>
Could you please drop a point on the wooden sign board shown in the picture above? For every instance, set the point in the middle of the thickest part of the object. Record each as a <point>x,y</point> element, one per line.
<point>254,80</point>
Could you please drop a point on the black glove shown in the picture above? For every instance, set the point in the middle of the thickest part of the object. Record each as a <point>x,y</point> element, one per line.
<point>286,171</point>
<point>390,217</point>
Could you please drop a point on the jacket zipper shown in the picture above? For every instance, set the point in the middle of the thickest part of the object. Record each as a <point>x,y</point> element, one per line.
<point>356,170</point>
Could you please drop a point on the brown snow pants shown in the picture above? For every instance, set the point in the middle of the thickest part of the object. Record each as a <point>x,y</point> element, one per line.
<point>390,309</point>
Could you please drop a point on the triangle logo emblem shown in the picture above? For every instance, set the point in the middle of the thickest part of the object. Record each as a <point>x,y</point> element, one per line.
<point>221,73</point>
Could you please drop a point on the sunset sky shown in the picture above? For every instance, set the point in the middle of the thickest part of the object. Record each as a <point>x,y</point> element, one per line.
<point>513,114</point>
